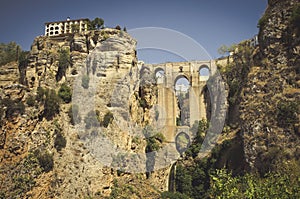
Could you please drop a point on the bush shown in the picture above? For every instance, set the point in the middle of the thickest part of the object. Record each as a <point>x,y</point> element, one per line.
<point>59,141</point>
<point>51,106</point>
<point>63,64</point>
<point>287,113</point>
<point>40,94</point>
<point>14,108</point>
<point>85,81</point>
<point>171,195</point>
<point>91,120</point>
<point>45,160</point>
<point>154,143</point>
<point>9,52</point>
<point>295,17</point>
<point>65,93</point>
<point>30,100</point>
<point>108,118</point>
<point>118,27</point>
<point>73,113</point>
<point>262,21</point>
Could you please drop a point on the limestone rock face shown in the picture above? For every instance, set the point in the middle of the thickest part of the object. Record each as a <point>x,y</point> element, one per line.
<point>9,74</point>
<point>269,86</point>
<point>61,160</point>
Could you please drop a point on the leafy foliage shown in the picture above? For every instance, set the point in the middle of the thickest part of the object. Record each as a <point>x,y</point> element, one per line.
<point>96,24</point>
<point>287,113</point>
<point>154,139</point>
<point>52,104</point>
<point>176,195</point>
<point>30,101</point>
<point>40,94</point>
<point>65,93</point>
<point>59,141</point>
<point>8,52</point>
<point>14,108</point>
<point>199,129</point>
<point>283,184</point>
<point>295,17</point>
<point>107,119</point>
<point>262,21</point>
<point>63,63</point>
<point>45,160</point>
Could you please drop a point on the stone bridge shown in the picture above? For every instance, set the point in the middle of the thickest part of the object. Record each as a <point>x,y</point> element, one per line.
<point>167,74</point>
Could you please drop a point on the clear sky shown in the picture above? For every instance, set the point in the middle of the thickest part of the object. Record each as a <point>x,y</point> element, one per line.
<point>210,22</point>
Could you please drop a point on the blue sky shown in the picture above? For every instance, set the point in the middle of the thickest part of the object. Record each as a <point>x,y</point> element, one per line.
<point>209,22</point>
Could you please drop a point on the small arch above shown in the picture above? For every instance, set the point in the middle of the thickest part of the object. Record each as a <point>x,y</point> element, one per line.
<point>159,75</point>
<point>204,72</point>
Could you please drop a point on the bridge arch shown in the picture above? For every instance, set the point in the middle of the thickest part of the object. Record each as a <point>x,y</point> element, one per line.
<point>182,141</point>
<point>159,75</point>
<point>204,72</point>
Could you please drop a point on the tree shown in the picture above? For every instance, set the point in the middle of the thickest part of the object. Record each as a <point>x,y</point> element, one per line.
<point>63,63</point>
<point>51,105</point>
<point>9,52</point>
<point>118,27</point>
<point>225,50</point>
<point>96,24</point>
<point>65,93</point>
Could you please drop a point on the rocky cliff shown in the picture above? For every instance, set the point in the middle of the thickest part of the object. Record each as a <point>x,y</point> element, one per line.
<point>49,147</point>
<point>270,99</point>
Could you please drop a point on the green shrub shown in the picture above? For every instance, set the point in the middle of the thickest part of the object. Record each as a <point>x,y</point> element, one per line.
<point>295,17</point>
<point>40,94</point>
<point>262,21</point>
<point>154,142</point>
<point>63,63</point>
<point>171,195</point>
<point>52,103</point>
<point>287,113</point>
<point>85,80</point>
<point>59,141</point>
<point>9,52</point>
<point>65,93</point>
<point>91,120</point>
<point>45,160</point>
<point>14,108</point>
<point>30,100</point>
<point>108,118</point>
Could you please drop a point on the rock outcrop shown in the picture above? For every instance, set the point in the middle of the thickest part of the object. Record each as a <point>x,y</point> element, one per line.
<point>272,89</point>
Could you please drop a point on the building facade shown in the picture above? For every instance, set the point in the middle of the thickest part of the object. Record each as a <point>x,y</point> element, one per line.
<point>65,27</point>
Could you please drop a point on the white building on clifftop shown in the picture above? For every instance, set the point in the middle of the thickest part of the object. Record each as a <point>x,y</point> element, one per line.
<point>65,27</point>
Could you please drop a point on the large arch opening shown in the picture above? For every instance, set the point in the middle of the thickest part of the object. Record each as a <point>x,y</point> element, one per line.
<point>204,73</point>
<point>182,87</point>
